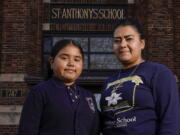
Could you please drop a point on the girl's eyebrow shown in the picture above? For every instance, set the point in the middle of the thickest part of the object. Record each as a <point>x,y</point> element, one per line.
<point>65,54</point>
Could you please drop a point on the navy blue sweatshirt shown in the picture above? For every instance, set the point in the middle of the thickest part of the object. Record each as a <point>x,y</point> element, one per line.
<point>48,110</point>
<point>142,100</point>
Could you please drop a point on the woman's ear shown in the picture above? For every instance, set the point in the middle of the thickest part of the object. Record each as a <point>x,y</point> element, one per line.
<point>142,44</point>
<point>51,61</point>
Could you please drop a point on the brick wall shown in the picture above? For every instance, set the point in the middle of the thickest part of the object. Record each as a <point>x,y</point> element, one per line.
<point>176,29</point>
<point>20,56</point>
<point>163,33</point>
<point>21,39</point>
<point>160,32</point>
<point>14,50</point>
<point>21,34</point>
<point>1,25</point>
<point>8,130</point>
<point>140,12</point>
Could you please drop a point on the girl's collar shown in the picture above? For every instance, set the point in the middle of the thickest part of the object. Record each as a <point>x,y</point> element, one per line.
<point>60,83</point>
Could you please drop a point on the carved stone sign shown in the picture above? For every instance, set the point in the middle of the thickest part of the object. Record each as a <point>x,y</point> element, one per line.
<point>63,13</point>
<point>11,93</point>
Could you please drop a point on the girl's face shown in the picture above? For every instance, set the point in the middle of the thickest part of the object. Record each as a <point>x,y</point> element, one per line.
<point>67,64</point>
<point>128,46</point>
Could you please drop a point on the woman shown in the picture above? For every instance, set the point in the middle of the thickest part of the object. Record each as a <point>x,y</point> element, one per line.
<point>142,99</point>
<point>58,106</point>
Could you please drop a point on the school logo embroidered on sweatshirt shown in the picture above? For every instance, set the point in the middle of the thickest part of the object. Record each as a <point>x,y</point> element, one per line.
<point>113,99</point>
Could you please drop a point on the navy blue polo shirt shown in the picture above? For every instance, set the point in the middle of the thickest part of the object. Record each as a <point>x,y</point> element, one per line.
<point>48,110</point>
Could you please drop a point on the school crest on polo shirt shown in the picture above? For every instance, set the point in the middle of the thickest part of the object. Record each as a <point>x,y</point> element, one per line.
<point>90,103</point>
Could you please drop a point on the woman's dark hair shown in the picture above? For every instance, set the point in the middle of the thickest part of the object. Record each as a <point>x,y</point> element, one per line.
<point>131,22</point>
<point>59,46</point>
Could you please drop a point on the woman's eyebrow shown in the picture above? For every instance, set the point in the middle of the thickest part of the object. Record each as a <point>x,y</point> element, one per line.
<point>123,36</point>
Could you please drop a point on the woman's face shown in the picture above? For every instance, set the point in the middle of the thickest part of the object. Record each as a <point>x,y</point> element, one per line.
<point>67,64</point>
<point>128,46</point>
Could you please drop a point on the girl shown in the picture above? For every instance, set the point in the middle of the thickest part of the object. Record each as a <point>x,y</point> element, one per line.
<point>58,106</point>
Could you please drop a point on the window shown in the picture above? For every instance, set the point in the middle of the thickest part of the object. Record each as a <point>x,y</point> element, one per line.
<point>99,56</point>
